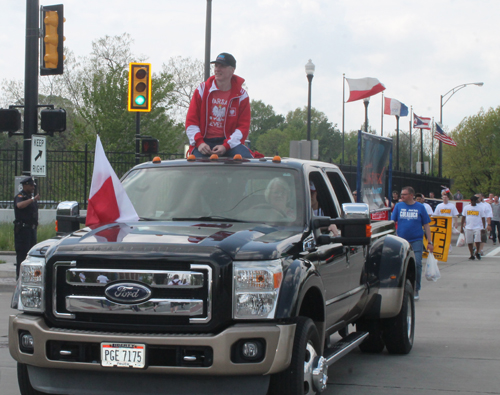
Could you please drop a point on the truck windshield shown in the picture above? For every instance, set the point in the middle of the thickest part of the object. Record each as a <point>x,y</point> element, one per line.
<point>218,193</point>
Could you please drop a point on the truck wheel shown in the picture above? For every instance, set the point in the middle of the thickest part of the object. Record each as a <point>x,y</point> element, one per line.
<point>308,372</point>
<point>374,342</point>
<point>23,379</point>
<point>399,331</point>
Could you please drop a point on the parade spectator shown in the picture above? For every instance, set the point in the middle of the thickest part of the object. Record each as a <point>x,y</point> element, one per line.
<point>218,119</point>
<point>473,222</point>
<point>26,220</point>
<point>395,199</point>
<point>495,220</point>
<point>431,195</point>
<point>458,195</point>
<point>411,216</point>
<point>419,197</point>
<point>488,214</point>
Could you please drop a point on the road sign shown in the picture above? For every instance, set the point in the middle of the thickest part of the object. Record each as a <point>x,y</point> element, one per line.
<point>38,156</point>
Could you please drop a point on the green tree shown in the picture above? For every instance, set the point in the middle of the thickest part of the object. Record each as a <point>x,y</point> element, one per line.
<point>473,163</point>
<point>263,119</point>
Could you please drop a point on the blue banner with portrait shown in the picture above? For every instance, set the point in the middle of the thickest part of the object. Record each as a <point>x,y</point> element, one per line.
<point>373,169</point>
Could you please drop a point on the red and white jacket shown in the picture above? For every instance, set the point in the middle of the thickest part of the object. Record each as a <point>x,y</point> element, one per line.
<point>237,123</point>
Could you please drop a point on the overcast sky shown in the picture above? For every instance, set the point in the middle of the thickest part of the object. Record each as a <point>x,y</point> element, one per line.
<point>418,50</point>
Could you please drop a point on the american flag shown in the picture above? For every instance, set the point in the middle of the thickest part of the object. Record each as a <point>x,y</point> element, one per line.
<point>442,136</point>
<point>421,122</point>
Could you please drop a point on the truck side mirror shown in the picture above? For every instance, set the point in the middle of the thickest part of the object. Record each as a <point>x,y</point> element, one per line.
<point>354,226</point>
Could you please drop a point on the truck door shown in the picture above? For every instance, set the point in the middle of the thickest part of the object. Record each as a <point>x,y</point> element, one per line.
<point>355,254</point>
<point>330,259</point>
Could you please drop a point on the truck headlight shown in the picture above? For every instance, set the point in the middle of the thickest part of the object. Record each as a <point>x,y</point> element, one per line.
<point>256,288</point>
<point>31,285</point>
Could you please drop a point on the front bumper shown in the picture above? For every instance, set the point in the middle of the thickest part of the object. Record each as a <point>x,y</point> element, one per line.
<point>278,339</point>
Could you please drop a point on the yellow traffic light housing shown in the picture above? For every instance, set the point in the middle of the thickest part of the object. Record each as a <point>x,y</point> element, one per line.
<point>52,61</point>
<point>139,87</point>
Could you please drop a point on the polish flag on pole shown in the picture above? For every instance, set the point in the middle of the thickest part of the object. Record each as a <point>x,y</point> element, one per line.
<point>108,201</point>
<point>361,88</point>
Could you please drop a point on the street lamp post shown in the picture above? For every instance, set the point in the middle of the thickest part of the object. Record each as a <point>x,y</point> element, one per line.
<point>310,74</point>
<point>452,91</point>
<point>366,101</point>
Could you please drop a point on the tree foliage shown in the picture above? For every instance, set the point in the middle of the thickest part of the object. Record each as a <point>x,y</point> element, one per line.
<point>473,163</point>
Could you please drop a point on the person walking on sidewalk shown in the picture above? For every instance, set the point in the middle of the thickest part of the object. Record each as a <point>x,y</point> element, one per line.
<point>26,222</point>
<point>473,222</point>
<point>488,215</point>
<point>495,220</point>
<point>411,216</point>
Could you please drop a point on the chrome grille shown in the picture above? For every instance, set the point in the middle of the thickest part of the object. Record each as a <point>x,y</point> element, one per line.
<point>189,292</point>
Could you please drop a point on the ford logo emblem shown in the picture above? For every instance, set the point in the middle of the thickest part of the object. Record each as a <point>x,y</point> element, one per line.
<point>127,293</point>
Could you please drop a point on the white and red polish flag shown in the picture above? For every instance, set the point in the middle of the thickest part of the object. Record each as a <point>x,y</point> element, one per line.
<point>108,201</point>
<point>361,88</point>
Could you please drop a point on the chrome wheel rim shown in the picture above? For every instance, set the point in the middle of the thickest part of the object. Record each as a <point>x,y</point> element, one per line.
<point>409,320</point>
<point>309,359</point>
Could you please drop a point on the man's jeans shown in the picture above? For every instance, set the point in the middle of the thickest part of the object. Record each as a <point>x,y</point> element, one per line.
<point>418,248</point>
<point>239,149</point>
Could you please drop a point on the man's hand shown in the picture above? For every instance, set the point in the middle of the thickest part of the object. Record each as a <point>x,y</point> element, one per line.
<point>430,248</point>
<point>204,149</point>
<point>37,197</point>
<point>219,150</point>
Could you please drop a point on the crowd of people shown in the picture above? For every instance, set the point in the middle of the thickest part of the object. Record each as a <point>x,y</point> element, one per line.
<point>412,213</point>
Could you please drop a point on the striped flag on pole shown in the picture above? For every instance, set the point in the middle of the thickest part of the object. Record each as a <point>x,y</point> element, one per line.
<point>442,136</point>
<point>361,88</point>
<point>421,122</point>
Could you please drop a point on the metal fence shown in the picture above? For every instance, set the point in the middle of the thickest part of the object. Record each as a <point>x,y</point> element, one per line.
<point>69,174</point>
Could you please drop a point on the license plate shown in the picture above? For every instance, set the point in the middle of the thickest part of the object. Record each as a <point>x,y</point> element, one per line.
<point>123,355</point>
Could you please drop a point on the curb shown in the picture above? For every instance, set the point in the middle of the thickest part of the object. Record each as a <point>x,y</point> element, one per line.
<point>7,253</point>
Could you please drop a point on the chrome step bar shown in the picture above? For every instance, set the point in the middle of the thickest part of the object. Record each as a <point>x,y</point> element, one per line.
<point>344,346</point>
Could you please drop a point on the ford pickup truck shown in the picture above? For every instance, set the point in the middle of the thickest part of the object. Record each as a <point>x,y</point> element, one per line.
<point>229,283</point>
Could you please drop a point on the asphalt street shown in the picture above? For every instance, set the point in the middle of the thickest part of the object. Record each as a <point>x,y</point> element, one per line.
<point>456,349</point>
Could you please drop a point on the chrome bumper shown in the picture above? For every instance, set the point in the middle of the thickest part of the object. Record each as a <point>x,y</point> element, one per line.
<point>278,338</point>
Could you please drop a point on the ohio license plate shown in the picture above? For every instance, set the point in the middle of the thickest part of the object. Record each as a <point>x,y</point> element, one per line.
<point>123,355</point>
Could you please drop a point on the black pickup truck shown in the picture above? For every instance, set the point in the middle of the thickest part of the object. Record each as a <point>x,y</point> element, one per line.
<point>229,283</point>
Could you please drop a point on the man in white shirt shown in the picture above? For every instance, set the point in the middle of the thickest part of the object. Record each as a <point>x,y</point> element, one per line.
<point>473,221</point>
<point>447,209</point>
<point>419,197</point>
<point>488,214</point>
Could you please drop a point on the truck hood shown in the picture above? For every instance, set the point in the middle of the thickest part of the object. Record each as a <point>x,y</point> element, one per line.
<point>241,241</point>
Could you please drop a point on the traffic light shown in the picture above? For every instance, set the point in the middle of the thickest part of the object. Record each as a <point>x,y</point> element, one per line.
<point>53,120</point>
<point>53,37</point>
<point>150,146</point>
<point>139,87</point>
<point>10,120</point>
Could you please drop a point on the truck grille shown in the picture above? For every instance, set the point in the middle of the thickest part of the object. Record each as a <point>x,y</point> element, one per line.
<point>97,292</point>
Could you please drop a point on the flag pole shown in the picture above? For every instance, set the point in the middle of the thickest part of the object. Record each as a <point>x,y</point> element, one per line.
<point>343,111</point>
<point>382,117</point>
<point>397,141</point>
<point>432,147</point>
<point>411,141</point>
<point>421,151</point>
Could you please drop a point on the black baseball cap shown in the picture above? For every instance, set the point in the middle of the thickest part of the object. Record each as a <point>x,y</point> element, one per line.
<point>28,181</point>
<point>226,59</point>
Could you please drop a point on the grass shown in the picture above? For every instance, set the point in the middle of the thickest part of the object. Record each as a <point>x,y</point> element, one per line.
<point>7,235</point>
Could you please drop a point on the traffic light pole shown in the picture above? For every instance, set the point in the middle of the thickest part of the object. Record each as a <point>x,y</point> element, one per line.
<point>137,136</point>
<point>30,81</point>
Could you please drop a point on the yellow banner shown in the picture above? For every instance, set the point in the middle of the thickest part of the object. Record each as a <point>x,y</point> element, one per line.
<point>441,237</point>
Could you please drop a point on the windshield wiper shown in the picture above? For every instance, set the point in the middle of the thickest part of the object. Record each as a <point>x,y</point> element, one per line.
<point>207,218</point>
<point>148,219</point>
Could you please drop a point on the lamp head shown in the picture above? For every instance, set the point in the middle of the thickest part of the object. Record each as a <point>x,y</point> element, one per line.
<point>479,83</point>
<point>310,68</point>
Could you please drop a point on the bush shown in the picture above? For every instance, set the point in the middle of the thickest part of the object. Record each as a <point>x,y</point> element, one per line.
<point>7,235</point>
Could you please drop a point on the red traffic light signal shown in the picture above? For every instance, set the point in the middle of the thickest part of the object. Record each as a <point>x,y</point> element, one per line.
<point>139,87</point>
<point>150,146</point>
<point>53,37</point>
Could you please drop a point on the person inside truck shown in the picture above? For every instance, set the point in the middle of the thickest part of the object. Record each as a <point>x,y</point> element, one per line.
<point>277,196</point>
<point>318,211</point>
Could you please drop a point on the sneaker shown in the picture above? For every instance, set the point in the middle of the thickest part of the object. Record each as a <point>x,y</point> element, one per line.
<point>482,252</point>
<point>472,258</point>
<point>416,296</point>
<point>478,256</point>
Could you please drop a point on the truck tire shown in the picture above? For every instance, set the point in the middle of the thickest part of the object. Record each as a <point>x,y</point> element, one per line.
<point>374,343</point>
<point>297,379</point>
<point>23,379</point>
<point>398,332</point>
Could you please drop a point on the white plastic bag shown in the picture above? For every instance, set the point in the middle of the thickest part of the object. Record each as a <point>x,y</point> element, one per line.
<point>461,240</point>
<point>432,270</point>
